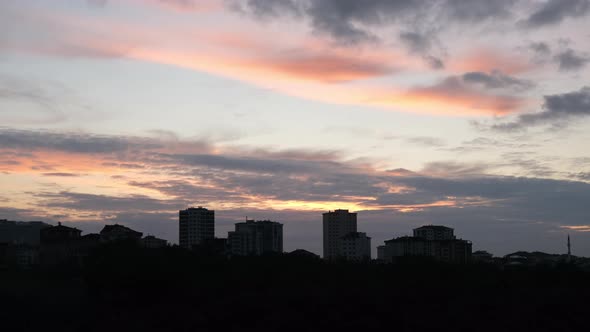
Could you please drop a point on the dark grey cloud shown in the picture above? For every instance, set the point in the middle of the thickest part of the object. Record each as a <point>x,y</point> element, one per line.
<point>14,89</point>
<point>123,165</point>
<point>416,42</point>
<point>506,188</point>
<point>557,110</point>
<point>423,44</point>
<point>255,164</point>
<point>565,57</point>
<point>63,175</point>
<point>540,48</point>
<point>569,60</point>
<point>541,52</point>
<point>454,169</point>
<point>584,176</point>
<point>105,203</point>
<point>480,144</point>
<point>497,80</point>
<point>70,142</point>
<point>191,191</point>
<point>479,10</point>
<point>434,62</point>
<point>342,19</point>
<point>351,21</point>
<point>492,91</point>
<point>555,11</point>
<point>263,8</point>
<point>528,162</point>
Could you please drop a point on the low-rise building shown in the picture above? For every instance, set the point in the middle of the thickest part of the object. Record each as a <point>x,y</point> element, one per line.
<point>482,256</point>
<point>3,255</point>
<point>438,242</point>
<point>152,242</point>
<point>22,255</point>
<point>212,247</point>
<point>451,251</point>
<point>116,232</point>
<point>304,254</point>
<point>60,245</point>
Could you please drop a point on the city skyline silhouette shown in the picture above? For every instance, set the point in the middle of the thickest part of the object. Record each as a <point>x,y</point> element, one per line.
<point>469,114</point>
<point>294,165</point>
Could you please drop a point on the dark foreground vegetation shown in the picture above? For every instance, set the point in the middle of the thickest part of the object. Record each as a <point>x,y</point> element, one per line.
<point>132,289</point>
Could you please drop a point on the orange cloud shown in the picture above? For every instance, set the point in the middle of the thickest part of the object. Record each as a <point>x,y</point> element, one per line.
<point>186,5</point>
<point>583,228</point>
<point>488,60</point>
<point>464,102</point>
<point>328,68</point>
<point>299,66</point>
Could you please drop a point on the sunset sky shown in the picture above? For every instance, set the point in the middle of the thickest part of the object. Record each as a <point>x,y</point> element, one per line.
<point>468,113</point>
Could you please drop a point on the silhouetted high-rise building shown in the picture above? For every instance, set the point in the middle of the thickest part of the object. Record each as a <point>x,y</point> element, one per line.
<point>355,246</point>
<point>195,226</point>
<point>336,225</point>
<point>438,242</point>
<point>402,246</point>
<point>256,238</point>
<point>21,232</point>
<point>432,232</point>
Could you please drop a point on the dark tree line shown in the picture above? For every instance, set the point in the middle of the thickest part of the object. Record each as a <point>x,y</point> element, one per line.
<point>124,287</point>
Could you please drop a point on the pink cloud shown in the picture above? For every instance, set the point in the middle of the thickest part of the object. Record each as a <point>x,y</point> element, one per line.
<point>488,60</point>
<point>291,63</point>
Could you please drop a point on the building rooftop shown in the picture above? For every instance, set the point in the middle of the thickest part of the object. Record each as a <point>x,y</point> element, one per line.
<point>355,235</point>
<point>436,227</point>
<point>406,238</point>
<point>200,208</point>
<point>339,211</point>
<point>60,228</point>
<point>115,227</point>
<point>252,221</point>
<point>302,253</point>
<point>91,236</point>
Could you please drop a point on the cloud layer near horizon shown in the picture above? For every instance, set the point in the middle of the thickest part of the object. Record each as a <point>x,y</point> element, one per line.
<point>300,106</point>
<point>152,178</point>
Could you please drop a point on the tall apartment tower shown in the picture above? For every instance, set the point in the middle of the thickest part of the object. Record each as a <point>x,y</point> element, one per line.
<point>336,225</point>
<point>195,226</point>
<point>256,238</point>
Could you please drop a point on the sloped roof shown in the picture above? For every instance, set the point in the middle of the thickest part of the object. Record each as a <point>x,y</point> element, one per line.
<point>436,227</point>
<point>116,227</point>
